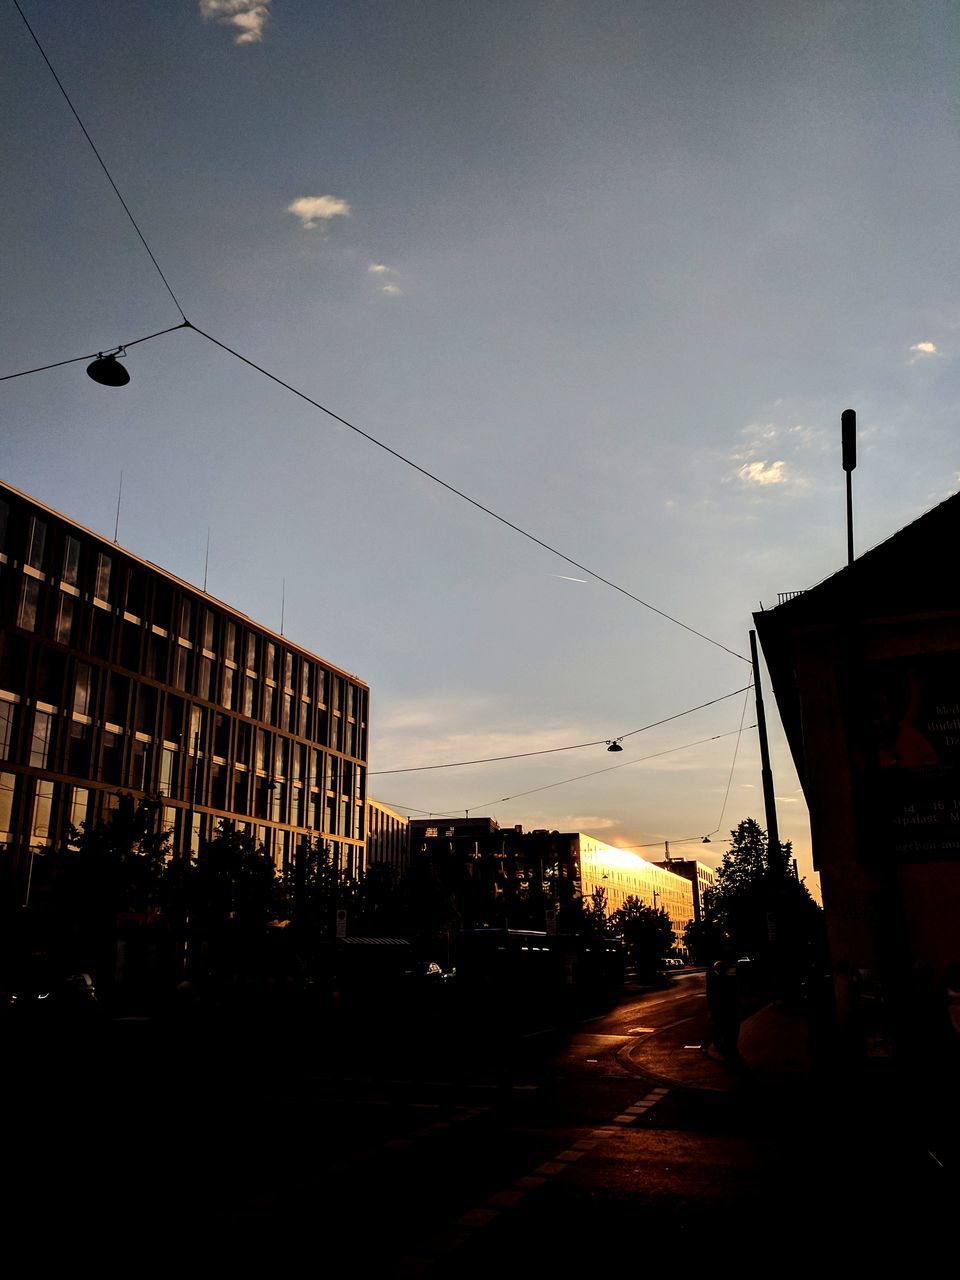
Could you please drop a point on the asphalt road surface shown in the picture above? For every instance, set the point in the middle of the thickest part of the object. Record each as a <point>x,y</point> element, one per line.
<point>402,1151</point>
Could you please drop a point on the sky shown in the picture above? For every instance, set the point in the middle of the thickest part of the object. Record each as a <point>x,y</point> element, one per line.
<point>611,269</point>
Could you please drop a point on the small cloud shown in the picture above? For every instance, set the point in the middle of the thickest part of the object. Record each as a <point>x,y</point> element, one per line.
<point>380,269</point>
<point>317,210</point>
<point>763,473</point>
<point>248,16</point>
<point>391,290</point>
<point>925,349</point>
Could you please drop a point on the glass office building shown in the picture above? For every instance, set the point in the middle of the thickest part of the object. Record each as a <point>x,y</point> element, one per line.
<point>116,676</point>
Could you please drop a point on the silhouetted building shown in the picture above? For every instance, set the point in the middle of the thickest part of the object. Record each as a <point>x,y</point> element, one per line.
<point>388,836</point>
<point>701,879</point>
<point>117,676</point>
<point>563,867</point>
<point>866,672</point>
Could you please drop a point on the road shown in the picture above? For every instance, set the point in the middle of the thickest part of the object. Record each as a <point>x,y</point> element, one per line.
<point>617,1142</point>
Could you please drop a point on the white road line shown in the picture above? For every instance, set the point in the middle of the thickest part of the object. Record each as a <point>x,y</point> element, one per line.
<point>478,1217</point>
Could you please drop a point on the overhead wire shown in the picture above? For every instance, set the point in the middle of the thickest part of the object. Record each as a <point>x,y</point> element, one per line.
<point>122,346</point>
<point>546,751</point>
<point>337,417</point>
<point>449,813</point>
<point>100,159</point>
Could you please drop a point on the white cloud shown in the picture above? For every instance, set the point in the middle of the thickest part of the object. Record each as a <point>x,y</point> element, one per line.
<point>391,290</point>
<point>317,210</point>
<point>763,473</point>
<point>380,269</point>
<point>248,16</point>
<point>925,348</point>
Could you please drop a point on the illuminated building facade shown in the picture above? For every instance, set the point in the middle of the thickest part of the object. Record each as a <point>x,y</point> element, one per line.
<point>623,875</point>
<point>117,676</point>
<point>570,865</point>
<point>388,837</point>
<point>701,879</point>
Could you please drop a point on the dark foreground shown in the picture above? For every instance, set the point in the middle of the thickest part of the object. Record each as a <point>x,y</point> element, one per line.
<point>433,1143</point>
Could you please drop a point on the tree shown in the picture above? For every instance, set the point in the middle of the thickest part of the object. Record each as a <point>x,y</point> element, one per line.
<point>757,907</point>
<point>594,918</point>
<point>647,933</point>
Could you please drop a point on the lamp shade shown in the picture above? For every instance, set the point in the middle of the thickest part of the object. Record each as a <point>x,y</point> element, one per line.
<point>108,371</point>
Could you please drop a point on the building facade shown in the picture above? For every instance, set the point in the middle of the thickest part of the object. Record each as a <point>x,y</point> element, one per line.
<point>701,878</point>
<point>568,865</point>
<point>622,874</point>
<point>388,837</point>
<point>116,676</point>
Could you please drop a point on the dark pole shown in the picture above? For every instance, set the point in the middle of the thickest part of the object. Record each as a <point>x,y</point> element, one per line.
<point>766,774</point>
<point>848,444</point>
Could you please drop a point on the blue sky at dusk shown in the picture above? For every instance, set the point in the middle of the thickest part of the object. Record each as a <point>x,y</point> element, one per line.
<point>613,269</point>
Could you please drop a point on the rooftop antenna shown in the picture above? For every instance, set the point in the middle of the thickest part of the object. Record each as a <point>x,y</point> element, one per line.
<point>206,562</point>
<point>283,602</point>
<point>116,526</point>
<point>848,446</point>
<point>666,849</point>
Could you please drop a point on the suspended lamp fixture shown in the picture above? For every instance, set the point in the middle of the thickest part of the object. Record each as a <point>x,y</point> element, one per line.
<point>613,744</point>
<point>108,371</point>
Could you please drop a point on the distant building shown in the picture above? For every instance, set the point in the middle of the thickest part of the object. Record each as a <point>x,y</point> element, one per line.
<point>701,878</point>
<point>388,836</point>
<point>623,875</point>
<point>570,865</point>
<point>117,676</point>
<point>866,672</point>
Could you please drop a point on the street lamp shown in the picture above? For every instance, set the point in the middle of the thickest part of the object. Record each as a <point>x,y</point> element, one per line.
<point>107,371</point>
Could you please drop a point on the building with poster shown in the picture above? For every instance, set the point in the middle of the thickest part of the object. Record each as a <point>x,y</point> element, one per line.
<point>115,675</point>
<point>701,879</point>
<point>865,669</point>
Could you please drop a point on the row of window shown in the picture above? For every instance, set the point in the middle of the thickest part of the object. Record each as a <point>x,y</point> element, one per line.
<point>53,806</point>
<point>272,777</point>
<point>128,702</point>
<point>93,604</point>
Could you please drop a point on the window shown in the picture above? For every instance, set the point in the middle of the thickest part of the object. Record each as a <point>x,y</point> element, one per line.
<point>204,679</point>
<point>111,757</point>
<point>83,690</point>
<point>249,696</point>
<point>79,807</point>
<point>78,749</point>
<point>29,604</point>
<point>4,520</point>
<point>101,587</point>
<point>41,741</point>
<point>7,729</point>
<point>42,813</point>
<point>8,795</point>
<point>147,710</point>
<point>184,628</point>
<point>71,561</point>
<point>168,761</point>
<point>36,543</point>
<point>251,654</point>
<point>226,696</point>
<point>63,628</point>
<point>209,630</point>
<point>229,641</point>
<point>118,695</point>
<point>140,765</point>
<point>181,667</point>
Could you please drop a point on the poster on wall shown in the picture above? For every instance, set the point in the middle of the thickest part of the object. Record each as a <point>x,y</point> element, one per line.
<point>906,757</point>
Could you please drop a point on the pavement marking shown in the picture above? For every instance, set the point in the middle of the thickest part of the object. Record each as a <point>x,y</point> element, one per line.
<point>641,1031</point>
<point>585,1145</point>
<point>570,1155</point>
<point>623,1119</point>
<point>506,1199</point>
<point>605,1133</point>
<point>636,1109</point>
<point>550,1167</point>
<point>399,1144</point>
<point>661,1091</point>
<point>693,1046</point>
<point>530,1183</point>
<point>478,1217</point>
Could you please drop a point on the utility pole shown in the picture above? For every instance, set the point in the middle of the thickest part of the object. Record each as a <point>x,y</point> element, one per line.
<point>848,447</point>
<point>766,774</point>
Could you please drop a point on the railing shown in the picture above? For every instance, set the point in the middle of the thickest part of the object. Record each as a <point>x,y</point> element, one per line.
<point>784,596</point>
